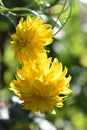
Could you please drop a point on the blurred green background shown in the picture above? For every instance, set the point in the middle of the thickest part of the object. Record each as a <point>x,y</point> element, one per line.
<point>69,46</point>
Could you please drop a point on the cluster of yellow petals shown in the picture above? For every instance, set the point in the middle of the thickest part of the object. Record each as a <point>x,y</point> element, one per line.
<point>31,36</point>
<point>41,84</point>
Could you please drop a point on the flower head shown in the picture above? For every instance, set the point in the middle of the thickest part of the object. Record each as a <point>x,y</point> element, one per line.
<point>30,38</point>
<point>40,87</point>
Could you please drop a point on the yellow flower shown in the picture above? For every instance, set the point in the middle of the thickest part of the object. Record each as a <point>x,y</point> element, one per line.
<point>30,38</point>
<point>42,86</point>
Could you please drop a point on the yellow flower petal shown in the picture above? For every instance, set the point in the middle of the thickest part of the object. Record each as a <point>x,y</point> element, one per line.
<point>41,87</point>
<point>30,38</point>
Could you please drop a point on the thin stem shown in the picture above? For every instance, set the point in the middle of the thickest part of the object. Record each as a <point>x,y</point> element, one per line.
<point>16,9</point>
<point>1,3</point>
<point>66,19</point>
<point>59,14</point>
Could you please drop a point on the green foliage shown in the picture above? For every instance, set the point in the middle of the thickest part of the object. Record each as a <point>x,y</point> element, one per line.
<point>70,47</point>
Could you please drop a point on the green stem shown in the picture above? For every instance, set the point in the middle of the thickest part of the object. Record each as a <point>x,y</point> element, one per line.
<point>66,19</point>
<point>3,9</point>
<point>59,14</point>
<point>1,3</point>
